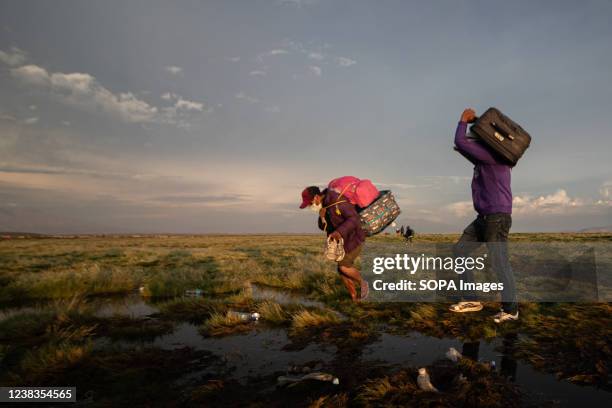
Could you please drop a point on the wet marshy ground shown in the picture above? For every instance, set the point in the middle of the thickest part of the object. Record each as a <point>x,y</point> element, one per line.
<point>111,317</point>
<point>135,342</point>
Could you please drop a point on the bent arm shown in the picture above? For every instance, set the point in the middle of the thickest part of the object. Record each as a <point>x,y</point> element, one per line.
<point>351,219</point>
<point>471,149</point>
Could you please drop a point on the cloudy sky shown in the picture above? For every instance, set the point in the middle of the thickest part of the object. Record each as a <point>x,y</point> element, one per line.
<point>211,116</point>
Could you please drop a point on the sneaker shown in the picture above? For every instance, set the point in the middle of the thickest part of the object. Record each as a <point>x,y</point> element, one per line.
<point>463,307</point>
<point>503,316</point>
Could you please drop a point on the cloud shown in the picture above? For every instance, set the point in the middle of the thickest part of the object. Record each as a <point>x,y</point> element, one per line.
<point>606,190</point>
<point>169,96</point>
<point>180,111</point>
<point>345,62</point>
<point>271,53</point>
<point>33,107</point>
<point>403,186</point>
<point>316,56</point>
<point>7,117</point>
<point>174,70</point>
<point>182,199</point>
<point>13,57</point>
<point>461,208</point>
<point>32,74</point>
<point>272,109</point>
<point>31,121</point>
<point>82,90</point>
<point>188,105</point>
<point>250,99</point>
<point>297,3</point>
<point>234,59</point>
<point>555,203</point>
<point>316,70</point>
<point>257,73</point>
<point>43,169</point>
<point>66,123</point>
<point>278,51</point>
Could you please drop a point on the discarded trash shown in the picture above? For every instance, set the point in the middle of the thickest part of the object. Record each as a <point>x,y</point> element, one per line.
<point>194,292</point>
<point>453,355</point>
<point>291,380</point>
<point>244,316</point>
<point>142,289</point>
<point>295,369</point>
<point>460,379</point>
<point>424,382</point>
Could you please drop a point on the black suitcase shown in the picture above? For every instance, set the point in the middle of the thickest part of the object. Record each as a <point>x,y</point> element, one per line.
<point>502,135</point>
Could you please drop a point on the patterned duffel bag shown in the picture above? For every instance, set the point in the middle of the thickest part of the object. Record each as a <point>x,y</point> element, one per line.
<point>378,215</point>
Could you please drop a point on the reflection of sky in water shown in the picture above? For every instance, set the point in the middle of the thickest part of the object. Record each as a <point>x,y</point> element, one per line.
<point>420,350</point>
<point>252,354</point>
<point>260,352</point>
<point>132,305</point>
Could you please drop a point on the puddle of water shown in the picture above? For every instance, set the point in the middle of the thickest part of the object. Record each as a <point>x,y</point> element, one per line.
<point>261,352</point>
<point>253,354</point>
<point>283,297</point>
<point>415,350</point>
<point>420,350</point>
<point>132,305</point>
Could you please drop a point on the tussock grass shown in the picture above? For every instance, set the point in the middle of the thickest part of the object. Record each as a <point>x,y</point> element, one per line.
<point>41,366</point>
<point>272,312</point>
<point>87,278</point>
<point>25,325</point>
<point>194,310</point>
<point>565,339</point>
<point>331,401</point>
<point>308,319</point>
<point>223,324</point>
<point>377,390</point>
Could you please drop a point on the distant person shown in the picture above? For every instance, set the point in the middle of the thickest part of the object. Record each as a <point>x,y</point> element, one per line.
<point>409,233</point>
<point>402,231</point>
<point>339,219</point>
<point>492,198</point>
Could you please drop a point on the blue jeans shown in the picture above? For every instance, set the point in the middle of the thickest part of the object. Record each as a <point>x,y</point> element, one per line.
<point>492,229</point>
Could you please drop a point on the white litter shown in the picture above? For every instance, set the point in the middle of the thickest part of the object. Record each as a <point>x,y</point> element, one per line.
<point>453,355</point>
<point>424,382</point>
<point>318,376</point>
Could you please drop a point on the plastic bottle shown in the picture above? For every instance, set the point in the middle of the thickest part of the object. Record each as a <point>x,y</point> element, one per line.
<point>244,316</point>
<point>194,292</point>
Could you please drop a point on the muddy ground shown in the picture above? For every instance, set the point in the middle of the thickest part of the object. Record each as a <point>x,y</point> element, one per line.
<point>144,342</point>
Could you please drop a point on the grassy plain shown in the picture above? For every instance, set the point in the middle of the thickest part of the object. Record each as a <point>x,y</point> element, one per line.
<point>52,331</point>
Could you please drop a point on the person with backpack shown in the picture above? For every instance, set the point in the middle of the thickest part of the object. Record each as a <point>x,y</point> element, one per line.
<point>492,198</point>
<point>340,220</point>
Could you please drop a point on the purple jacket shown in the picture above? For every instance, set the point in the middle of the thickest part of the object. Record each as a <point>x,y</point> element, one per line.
<point>491,192</point>
<point>347,223</point>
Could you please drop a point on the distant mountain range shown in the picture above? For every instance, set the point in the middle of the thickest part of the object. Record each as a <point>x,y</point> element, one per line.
<point>12,234</point>
<point>597,229</point>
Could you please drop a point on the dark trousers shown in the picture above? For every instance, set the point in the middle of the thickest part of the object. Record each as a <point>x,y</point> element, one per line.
<point>492,229</point>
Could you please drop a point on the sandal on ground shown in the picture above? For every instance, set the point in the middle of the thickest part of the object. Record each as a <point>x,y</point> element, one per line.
<point>464,307</point>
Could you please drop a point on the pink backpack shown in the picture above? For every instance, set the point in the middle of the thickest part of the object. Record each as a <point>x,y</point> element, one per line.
<point>359,192</point>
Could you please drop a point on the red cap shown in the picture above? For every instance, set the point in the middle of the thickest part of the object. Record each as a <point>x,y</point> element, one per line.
<point>308,195</point>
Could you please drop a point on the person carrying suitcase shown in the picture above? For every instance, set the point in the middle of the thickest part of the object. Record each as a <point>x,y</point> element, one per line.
<point>492,198</point>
